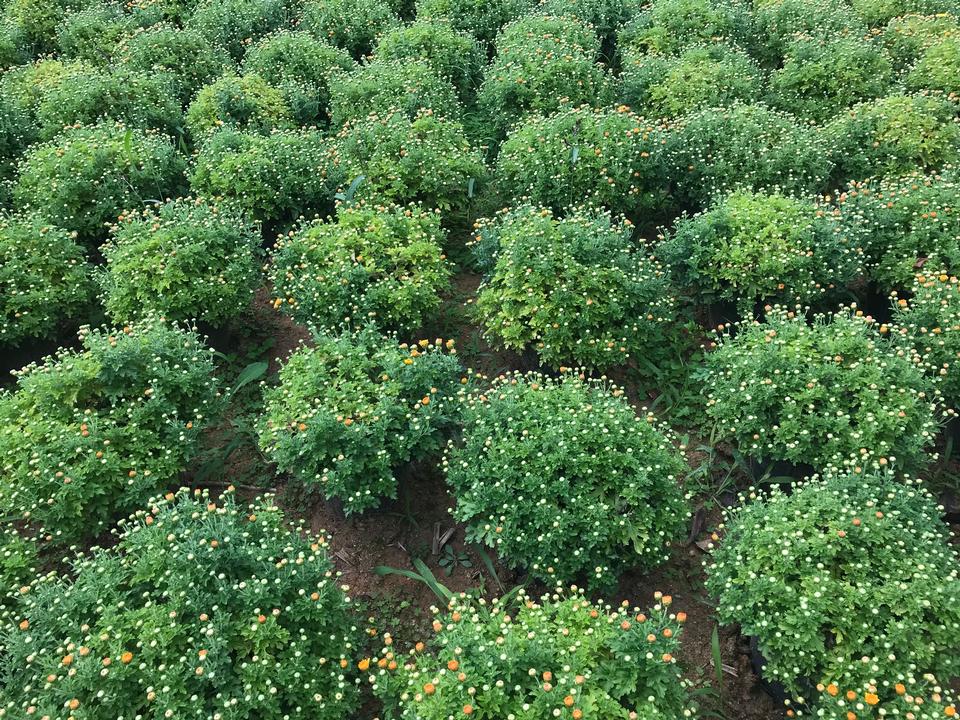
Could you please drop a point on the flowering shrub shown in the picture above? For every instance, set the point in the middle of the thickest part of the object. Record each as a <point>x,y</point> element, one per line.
<point>907,38</point>
<point>44,279</point>
<point>845,582</point>
<point>831,394</point>
<point>914,696</point>
<point>185,58</point>
<point>701,75</point>
<point>244,102</point>
<point>905,223</point>
<point>713,151</point>
<point>777,24</point>
<point>564,480</point>
<point>302,69</point>
<point>426,160</point>
<point>185,260</point>
<point>938,69</point>
<point>374,264</point>
<point>138,100</point>
<point>927,321</point>
<point>606,16</point>
<point>18,560</point>
<point>201,607</point>
<point>38,20</point>
<point>821,77</point>
<point>575,289</point>
<point>407,86</point>
<point>24,87</point>
<point>877,14</point>
<point>452,54</point>
<point>85,177</point>
<point>274,178</point>
<point>350,410</point>
<point>895,135</point>
<point>354,25</point>
<point>235,25</point>
<point>667,27</point>
<point>762,246</point>
<point>563,656</point>
<point>90,433</point>
<point>13,49</point>
<point>481,18</point>
<point>604,158</point>
<point>94,32</point>
<point>542,63</point>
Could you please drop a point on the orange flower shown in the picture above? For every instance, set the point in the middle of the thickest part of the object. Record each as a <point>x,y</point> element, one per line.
<point>547,675</point>
<point>568,700</point>
<point>468,709</point>
<point>851,716</point>
<point>364,664</point>
<point>73,704</point>
<point>681,617</point>
<point>24,624</point>
<point>429,688</point>
<point>833,689</point>
<point>667,632</point>
<point>851,695</point>
<point>900,688</point>
<point>126,657</point>
<point>667,657</point>
<point>453,665</point>
<point>871,699</point>
<point>577,713</point>
<point>950,711</point>
<point>67,659</point>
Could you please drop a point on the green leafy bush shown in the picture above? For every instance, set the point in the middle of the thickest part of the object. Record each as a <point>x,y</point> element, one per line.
<point>927,322</point>
<point>407,86</point>
<point>273,178</point>
<point>844,582</point>
<point>372,265</point>
<point>821,77</point>
<point>751,247</point>
<point>938,69</point>
<point>481,18</point>
<point>904,224</point>
<point>234,25</point>
<point>831,394</point>
<point>921,697</point>
<point>302,69</point>
<point>183,56</point>
<point>426,160</point>
<point>354,25</point>
<point>543,63</point>
<point>351,410</point>
<point>136,99</point>
<point>563,656</point>
<point>564,480</point>
<point>84,178</point>
<point>606,16</point>
<point>576,289</point>
<point>18,561</point>
<point>894,136</point>
<point>13,50</point>
<point>714,75</point>
<point>452,54</point>
<point>23,88</point>
<point>244,102</point>
<point>184,260</point>
<point>611,159</point>
<point>713,151</point>
<point>44,280</point>
<point>14,138</point>
<point>95,32</point>
<point>90,433</point>
<point>667,27</point>
<point>778,22</point>
<point>879,12</point>
<point>38,20</point>
<point>200,607</point>
<point>906,38</point>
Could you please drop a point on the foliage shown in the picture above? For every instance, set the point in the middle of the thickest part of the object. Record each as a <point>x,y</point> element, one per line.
<point>24,87</point>
<point>575,289</point>
<point>667,27</point>
<point>426,160</point>
<point>94,32</point>
<point>918,696</point>
<point>906,38</point>
<point>243,102</point>
<point>38,20</point>
<point>407,86</point>
<point>83,179</point>
<point>938,69</point>
<point>302,69</point>
<point>822,77</point>
<point>877,13</point>
<point>201,606</point>
<point>234,25</point>
<point>452,54</point>
<point>762,246</point>
<point>563,654</point>
<point>481,18</point>
<point>13,49</point>
<point>830,394</point>
<point>905,223</point>
<point>184,260</point>
<point>610,159</point>
<point>713,151</point>
<point>350,411</point>
<point>927,322</point>
<point>18,561</point>
<point>715,75</point>
<point>606,16</point>
<point>373,265</point>
<point>894,135</point>
<point>44,280</point>
<point>845,582</point>
<point>564,480</point>
<point>90,433</point>
<point>274,178</point>
<point>778,22</point>
<point>183,56</point>
<point>543,63</point>
<point>354,25</point>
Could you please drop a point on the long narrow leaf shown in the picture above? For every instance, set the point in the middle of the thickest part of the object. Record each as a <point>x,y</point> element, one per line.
<point>488,564</point>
